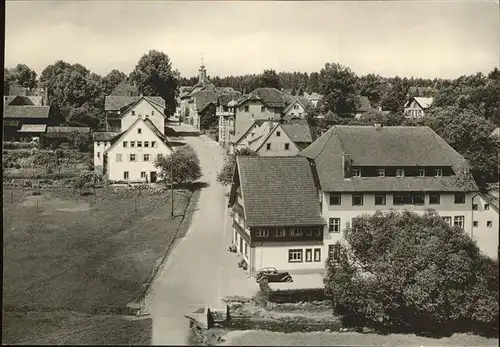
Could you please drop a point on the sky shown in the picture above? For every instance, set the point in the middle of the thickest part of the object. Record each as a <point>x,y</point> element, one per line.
<point>425,39</point>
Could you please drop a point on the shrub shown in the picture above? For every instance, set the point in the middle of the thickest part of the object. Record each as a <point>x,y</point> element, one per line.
<point>36,193</point>
<point>183,163</point>
<point>409,273</point>
<point>17,166</point>
<point>298,295</point>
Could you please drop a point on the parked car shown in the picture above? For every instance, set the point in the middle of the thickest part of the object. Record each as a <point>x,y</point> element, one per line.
<point>273,275</point>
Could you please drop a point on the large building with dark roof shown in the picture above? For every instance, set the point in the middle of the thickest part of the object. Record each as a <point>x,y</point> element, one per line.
<point>349,171</point>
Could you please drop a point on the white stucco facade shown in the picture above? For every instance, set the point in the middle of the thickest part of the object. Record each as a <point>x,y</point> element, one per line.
<point>144,109</point>
<point>99,148</point>
<point>131,158</point>
<point>485,226</point>
<point>296,109</point>
<point>278,143</point>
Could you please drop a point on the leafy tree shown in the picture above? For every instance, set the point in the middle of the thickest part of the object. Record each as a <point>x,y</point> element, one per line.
<point>338,87</point>
<point>87,179</point>
<point>112,79</point>
<point>313,84</point>
<point>225,175</point>
<point>183,163</point>
<point>270,79</point>
<point>410,273</point>
<point>394,97</point>
<point>154,76</point>
<point>84,116</point>
<point>469,134</point>
<point>209,119</point>
<point>293,92</point>
<point>372,86</point>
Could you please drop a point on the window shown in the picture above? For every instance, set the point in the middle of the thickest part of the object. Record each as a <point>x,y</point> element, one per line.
<point>334,225</point>
<point>447,220</point>
<point>317,255</point>
<point>133,113</point>
<point>278,134</point>
<point>334,251</point>
<point>474,207</point>
<point>125,175</point>
<point>335,199</point>
<point>262,232</point>
<point>319,231</point>
<point>357,199</point>
<point>459,198</point>
<point>139,130</point>
<point>98,155</point>
<point>287,146</point>
<point>268,146</point>
<point>132,144</point>
<point>152,113</point>
<point>309,232</point>
<point>398,199</point>
<point>294,255</point>
<point>421,172</point>
<point>475,223</point>
<point>125,144</point>
<point>381,172</point>
<point>98,143</point>
<point>434,198</point>
<point>356,172</point>
<point>118,157</point>
<point>143,174</point>
<point>132,157</point>
<point>262,108</point>
<point>379,199</point>
<point>246,249</point>
<point>309,256</point>
<point>246,108</point>
<point>146,143</point>
<point>280,232</point>
<point>458,221</point>
<point>400,172</point>
<point>486,207</point>
<point>153,144</point>
<point>146,157</point>
<point>139,143</point>
<point>295,232</point>
<point>419,198</point>
<point>438,172</point>
<point>489,224</point>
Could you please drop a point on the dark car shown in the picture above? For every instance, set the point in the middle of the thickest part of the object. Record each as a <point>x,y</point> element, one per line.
<point>273,275</point>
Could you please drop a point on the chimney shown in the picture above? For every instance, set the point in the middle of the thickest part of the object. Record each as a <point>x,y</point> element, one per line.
<point>378,126</point>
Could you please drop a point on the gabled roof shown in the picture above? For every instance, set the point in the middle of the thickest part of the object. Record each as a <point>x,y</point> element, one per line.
<point>256,122</point>
<point>298,133</point>
<point>7,99</point>
<point>303,101</point>
<point>117,103</point>
<point>203,98</point>
<point>364,104</point>
<point>26,112</point>
<point>125,88</point>
<point>278,191</point>
<point>492,198</point>
<point>271,97</point>
<point>21,100</point>
<point>496,132</point>
<point>264,133</point>
<point>385,146</point>
<point>149,100</point>
<point>104,136</point>
<point>423,102</point>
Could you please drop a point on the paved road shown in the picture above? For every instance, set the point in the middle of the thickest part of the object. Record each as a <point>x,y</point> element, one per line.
<point>199,270</point>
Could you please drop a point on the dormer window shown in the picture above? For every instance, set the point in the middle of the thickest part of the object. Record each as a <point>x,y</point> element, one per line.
<point>356,172</point>
<point>380,172</point>
<point>421,172</point>
<point>438,172</point>
<point>400,172</point>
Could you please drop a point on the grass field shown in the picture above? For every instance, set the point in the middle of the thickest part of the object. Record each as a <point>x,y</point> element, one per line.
<point>267,338</point>
<point>93,255</point>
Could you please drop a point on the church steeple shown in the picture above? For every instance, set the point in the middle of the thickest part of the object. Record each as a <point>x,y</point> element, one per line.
<point>202,72</point>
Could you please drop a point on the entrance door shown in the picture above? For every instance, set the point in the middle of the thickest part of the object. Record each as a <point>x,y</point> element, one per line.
<point>153,177</point>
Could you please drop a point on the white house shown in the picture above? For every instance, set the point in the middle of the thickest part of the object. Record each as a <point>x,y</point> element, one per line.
<point>129,155</point>
<point>296,107</point>
<point>485,225</point>
<point>416,107</point>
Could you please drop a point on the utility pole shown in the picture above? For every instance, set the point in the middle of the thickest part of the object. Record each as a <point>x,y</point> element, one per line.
<point>172,188</point>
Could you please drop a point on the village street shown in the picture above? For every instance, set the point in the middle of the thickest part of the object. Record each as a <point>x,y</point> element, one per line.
<point>199,269</point>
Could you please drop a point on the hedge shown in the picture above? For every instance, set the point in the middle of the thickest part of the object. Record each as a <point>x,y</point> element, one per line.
<point>19,145</point>
<point>298,295</point>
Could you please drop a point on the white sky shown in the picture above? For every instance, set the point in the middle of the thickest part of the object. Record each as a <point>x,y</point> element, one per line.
<point>406,38</point>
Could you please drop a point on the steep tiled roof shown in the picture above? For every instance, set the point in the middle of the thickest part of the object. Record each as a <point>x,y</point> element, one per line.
<point>364,105</point>
<point>26,111</point>
<point>269,96</point>
<point>203,98</point>
<point>298,132</point>
<point>225,97</point>
<point>301,99</point>
<point>116,103</point>
<point>157,132</point>
<point>291,200</point>
<point>33,128</point>
<point>104,136</point>
<point>386,146</point>
<point>424,102</point>
<point>125,88</point>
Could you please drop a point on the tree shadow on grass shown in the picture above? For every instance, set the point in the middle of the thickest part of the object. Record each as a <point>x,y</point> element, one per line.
<point>191,186</point>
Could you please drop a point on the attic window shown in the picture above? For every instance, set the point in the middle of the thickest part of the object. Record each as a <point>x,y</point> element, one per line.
<point>246,108</point>
<point>400,172</point>
<point>287,146</point>
<point>438,172</point>
<point>262,108</point>
<point>139,130</point>
<point>356,172</point>
<point>278,134</point>
<point>152,113</point>
<point>133,113</point>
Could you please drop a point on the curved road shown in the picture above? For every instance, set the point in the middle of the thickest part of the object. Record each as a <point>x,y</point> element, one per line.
<point>199,270</point>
